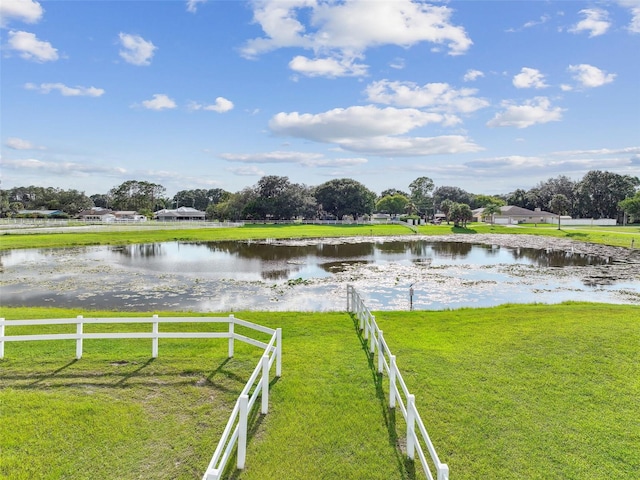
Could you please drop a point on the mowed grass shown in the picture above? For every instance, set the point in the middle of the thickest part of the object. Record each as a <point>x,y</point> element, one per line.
<point>118,236</point>
<point>526,392</point>
<point>615,236</point>
<point>117,414</point>
<point>512,392</point>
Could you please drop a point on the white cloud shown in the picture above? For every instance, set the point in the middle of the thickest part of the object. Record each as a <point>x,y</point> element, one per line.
<point>529,78</point>
<point>65,168</point>
<point>371,130</point>
<point>222,105</point>
<point>596,22</point>
<point>26,11</point>
<point>397,63</point>
<point>65,90</point>
<point>561,162</point>
<point>327,67</point>
<point>136,50</point>
<point>346,30</point>
<point>15,143</point>
<point>531,23</point>
<point>160,101</point>
<point>192,5</point>
<point>436,96</point>
<point>31,48</point>
<point>411,146</point>
<point>472,75</point>
<point>250,171</point>
<point>301,158</point>
<point>532,112</point>
<point>540,21</point>
<point>589,76</point>
<point>354,122</point>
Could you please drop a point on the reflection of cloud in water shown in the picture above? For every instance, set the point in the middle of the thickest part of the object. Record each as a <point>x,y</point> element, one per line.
<point>443,274</point>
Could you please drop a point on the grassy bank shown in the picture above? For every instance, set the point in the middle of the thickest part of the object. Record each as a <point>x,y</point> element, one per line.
<point>615,236</point>
<point>146,235</point>
<point>514,392</point>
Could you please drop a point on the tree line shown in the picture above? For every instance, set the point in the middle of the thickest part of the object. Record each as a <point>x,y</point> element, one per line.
<point>599,194</point>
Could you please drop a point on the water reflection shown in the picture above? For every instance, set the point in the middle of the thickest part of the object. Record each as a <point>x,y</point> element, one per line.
<point>281,262</point>
<point>253,275</point>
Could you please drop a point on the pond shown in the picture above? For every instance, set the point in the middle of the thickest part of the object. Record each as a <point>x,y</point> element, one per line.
<point>311,275</point>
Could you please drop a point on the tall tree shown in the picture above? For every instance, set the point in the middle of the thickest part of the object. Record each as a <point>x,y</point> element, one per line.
<point>461,214</point>
<point>455,194</point>
<point>345,196</point>
<point>560,205</point>
<point>631,207</point>
<point>599,192</point>
<point>421,189</point>
<point>392,191</point>
<point>137,195</point>
<point>392,204</point>
<point>480,201</point>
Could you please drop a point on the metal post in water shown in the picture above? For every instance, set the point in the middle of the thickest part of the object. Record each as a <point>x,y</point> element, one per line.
<point>411,297</point>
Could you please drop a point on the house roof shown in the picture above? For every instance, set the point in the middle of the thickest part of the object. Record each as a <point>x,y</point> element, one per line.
<point>180,212</point>
<point>512,210</point>
<point>95,211</point>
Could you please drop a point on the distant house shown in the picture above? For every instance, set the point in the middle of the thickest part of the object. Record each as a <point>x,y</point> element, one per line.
<point>97,214</point>
<point>104,215</point>
<point>179,214</point>
<point>512,215</point>
<point>129,216</point>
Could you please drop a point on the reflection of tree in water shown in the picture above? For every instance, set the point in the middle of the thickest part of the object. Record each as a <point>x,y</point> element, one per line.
<point>275,274</point>
<point>452,250</point>
<point>557,258</point>
<point>141,250</point>
<point>269,253</point>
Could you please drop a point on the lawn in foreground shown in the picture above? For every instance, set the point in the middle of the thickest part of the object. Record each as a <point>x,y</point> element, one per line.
<point>117,414</point>
<point>526,392</point>
<point>514,392</point>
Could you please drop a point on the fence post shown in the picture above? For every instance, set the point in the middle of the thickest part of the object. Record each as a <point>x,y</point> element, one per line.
<point>243,403</point>
<point>348,297</point>
<point>411,426</point>
<point>372,321</point>
<point>443,472</point>
<point>1,335</point>
<point>279,352</point>
<point>265,384</point>
<point>380,352</point>
<point>231,324</point>
<point>392,382</point>
<point>154,341</point>
<point>79,339</point>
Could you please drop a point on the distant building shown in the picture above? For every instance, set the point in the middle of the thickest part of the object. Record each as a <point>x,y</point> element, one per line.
<point>104,215</point>
<point>97,214</point>
<point>179,214</point>
<point>512,215</point>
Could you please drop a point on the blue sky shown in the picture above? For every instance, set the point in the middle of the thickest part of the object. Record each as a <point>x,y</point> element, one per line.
<point>487,96</point>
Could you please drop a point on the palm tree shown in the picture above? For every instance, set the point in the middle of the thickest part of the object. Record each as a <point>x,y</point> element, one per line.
<point>491,209</point>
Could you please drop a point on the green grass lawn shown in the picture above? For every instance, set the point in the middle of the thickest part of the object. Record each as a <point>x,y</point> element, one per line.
<point>616,236</point>
<point>513,392</point>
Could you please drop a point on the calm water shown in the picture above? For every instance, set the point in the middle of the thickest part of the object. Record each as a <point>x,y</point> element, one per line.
<point>245,275</point>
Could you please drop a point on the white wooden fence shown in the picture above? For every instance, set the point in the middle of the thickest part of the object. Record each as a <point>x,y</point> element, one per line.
<point>235,431</point>
<point>387,363</point>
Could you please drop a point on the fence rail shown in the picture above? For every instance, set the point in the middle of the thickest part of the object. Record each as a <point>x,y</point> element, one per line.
<point>399,394</point>
<point>235,431</point>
